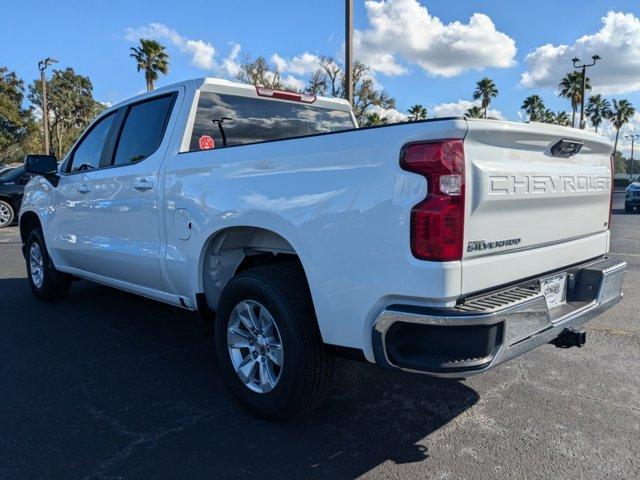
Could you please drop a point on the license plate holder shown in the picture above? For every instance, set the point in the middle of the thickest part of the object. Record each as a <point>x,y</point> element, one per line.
<point>554,289</point>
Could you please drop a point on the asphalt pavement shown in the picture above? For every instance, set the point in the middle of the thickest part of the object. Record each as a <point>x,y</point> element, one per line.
<point>111,385</point>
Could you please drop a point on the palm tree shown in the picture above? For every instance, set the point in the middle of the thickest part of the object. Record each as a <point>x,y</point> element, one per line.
<point>571,88</point>
<point>474,112</point>
<point>597,110</point>
<point>563,119</point>
<point>548,116</point>
<point>375,119</point>
<point>152,58</point>
<point>485,91</point>
<point>620,114</point>
<point>417,112</point>
<point>534,108</point>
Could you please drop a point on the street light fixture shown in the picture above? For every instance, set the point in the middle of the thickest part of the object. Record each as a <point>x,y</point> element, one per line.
<point>633,138</point>
<point>584,67</point>
<point>42,66</point>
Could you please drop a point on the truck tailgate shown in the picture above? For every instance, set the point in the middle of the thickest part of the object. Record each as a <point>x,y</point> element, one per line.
<point>527,210</point>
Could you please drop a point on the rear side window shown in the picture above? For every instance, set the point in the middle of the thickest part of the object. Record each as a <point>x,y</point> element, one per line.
<point>87,155</point>
<point>230,120</point>
<point>143,130</point>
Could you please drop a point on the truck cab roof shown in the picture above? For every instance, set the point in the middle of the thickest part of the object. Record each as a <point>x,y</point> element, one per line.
<point>208,84</point>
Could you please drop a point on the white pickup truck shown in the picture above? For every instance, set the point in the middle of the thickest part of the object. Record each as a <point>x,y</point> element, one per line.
<point>445,246</point>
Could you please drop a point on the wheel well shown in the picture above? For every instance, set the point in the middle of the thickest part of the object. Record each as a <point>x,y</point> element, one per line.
<point>239,248</point>
<point>9,200</point>
<point>28,221</point>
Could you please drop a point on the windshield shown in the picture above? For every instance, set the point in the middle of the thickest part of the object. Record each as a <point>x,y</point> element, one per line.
<point>12,174</point>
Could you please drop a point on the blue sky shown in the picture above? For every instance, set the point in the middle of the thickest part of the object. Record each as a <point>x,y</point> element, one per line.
<point>429,69</point>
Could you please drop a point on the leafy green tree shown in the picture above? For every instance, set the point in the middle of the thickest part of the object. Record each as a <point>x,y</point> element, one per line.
<point>563,119</point>
<point>485,91</point>
<point>417,112</point>
<point>329,80</point>
<point>620,115</point>
<point>152,58</point>
<point>18,129</point>
<point>375,118</point>
<point>597,109</point>
<point>475,112</point>
<point>619,163</point>
<point>571,88</point>
<point>534,108</point>
<point>71,106</point>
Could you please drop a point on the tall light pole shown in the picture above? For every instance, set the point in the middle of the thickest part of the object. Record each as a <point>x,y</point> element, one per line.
<point>584,67</point>
<point>633,138</point>
<point>42,66</point>
<point>348,51</point>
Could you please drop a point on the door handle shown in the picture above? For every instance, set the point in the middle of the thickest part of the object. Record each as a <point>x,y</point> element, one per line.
<point>84,188</point>
<point>143,184</point>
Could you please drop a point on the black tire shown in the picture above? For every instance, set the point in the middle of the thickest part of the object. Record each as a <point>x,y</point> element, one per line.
<point>628,208</point>
<point>6,208</point>
<point>54,285</point>
<point>307,366</point>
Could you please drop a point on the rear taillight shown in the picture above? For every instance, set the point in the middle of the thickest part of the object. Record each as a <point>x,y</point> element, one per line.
<point>283,95</point>
<point>437,222</point>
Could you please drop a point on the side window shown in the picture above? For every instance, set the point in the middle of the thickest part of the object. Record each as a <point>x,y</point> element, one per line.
<point>143,129</point>
<point>224,120</point>
<point>87,155</point>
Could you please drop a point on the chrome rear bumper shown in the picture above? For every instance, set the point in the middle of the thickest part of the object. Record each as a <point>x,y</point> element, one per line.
<point>492,328</point>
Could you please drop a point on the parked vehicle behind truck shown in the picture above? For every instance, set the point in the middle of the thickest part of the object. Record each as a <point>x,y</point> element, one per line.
<point>444,247</point>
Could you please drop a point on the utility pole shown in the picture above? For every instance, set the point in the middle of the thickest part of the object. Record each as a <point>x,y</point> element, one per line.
<point>584,67</point>
<point>348,51</point>
<point>42,66</point>
<point>633,138</point>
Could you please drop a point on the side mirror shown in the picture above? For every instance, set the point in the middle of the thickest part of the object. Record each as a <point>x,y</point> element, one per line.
<point>41,164</point>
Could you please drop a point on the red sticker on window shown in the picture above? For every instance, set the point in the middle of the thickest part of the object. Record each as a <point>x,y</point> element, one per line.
<point>206,142</point>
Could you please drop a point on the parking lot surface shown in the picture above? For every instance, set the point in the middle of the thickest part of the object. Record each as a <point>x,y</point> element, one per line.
<point>111,385</point>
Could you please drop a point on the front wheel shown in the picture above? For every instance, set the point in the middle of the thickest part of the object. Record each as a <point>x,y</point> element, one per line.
<point>628,208</point>
<point>268,344</point>
<point>47,283</point>
<point>7,214</point>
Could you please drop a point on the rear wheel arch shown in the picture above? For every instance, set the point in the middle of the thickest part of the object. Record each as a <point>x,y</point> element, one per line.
<point>229,251</point>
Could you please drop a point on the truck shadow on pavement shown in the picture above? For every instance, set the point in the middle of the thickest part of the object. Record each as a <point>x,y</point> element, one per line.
<point>111,385</point>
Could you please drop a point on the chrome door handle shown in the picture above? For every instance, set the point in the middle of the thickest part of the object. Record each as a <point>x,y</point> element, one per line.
<point>84,188</point>
<point>143,184</point>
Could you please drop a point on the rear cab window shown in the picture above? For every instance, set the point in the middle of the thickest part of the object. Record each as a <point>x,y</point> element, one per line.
<point>228,120</point>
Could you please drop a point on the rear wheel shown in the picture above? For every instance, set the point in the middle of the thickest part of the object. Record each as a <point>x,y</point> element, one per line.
<point>7,214</point>
<point>268,344</point>
<point>46,283</point>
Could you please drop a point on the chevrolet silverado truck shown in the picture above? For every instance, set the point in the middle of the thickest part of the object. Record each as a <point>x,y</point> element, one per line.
<point>444,247</point>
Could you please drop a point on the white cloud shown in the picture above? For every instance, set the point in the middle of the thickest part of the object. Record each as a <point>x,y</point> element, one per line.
<point>202,53</point>
<point>404,29</point>
<point>293,83</point>
<point>617,42</point>
<point>607,130</point>
<point>230,64</point>
<point>303,64</point>
<point>391,114</point>
<point>459,109</point>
